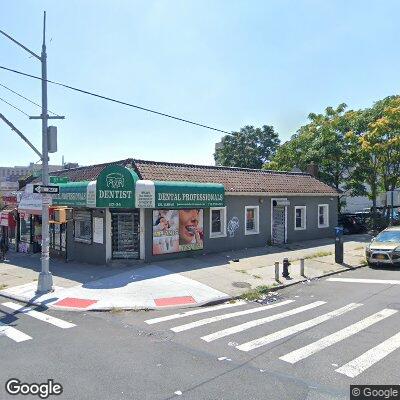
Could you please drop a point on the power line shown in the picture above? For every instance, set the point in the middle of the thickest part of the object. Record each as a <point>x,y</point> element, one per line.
<point>25,98</point>
<point>12,105</point>
<point>115,100</point>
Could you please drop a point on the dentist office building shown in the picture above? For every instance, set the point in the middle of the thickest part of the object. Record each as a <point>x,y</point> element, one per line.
<point>147,210</point>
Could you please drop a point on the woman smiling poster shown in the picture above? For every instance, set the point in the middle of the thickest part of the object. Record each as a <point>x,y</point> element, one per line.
<point>190,229</point>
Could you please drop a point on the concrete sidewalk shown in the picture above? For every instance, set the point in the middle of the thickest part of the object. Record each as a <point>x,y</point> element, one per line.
<point>187,282</point>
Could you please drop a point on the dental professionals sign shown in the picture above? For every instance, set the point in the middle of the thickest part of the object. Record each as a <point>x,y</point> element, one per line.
<point>160,194</point>
<point>115,187</point>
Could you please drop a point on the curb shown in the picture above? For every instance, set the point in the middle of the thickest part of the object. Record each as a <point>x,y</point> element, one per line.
<point>104,309</point>
<point>155,308</point>
<point>283,286</point>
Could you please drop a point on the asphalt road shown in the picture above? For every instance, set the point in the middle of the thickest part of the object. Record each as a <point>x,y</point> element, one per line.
<point>293,347</point>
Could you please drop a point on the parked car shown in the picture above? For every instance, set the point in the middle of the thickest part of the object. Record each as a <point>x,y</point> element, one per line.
<point>352,223</point>
<point>385,248</point>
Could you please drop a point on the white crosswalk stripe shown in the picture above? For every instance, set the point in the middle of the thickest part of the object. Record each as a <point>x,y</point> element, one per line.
<point>210,320</point>
<point>355,280</point>
<point>351,369</point>
<point>13,333</point>
<point>257,322</point>
<point>39,315</point>
<point>336,337</point>
<point>291,330</point>
<point>194,312</point>
<point>370,357</point>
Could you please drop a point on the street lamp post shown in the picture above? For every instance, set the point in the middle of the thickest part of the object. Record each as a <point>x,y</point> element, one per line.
<point>45,280</point>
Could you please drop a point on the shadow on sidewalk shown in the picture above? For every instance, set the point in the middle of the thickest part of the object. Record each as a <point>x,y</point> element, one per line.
<point>112,276</point>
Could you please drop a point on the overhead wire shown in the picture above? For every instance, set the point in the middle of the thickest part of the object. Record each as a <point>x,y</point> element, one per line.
<point>26,98</point>
<point>12,105</point>
<point>114,100</point>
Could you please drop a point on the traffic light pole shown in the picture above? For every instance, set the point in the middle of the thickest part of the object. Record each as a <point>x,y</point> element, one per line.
<point>45,280</point>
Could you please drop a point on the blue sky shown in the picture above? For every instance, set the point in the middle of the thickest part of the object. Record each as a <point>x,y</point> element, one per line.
<point>225,63</point>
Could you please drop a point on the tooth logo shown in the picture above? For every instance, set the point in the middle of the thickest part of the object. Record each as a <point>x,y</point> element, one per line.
<point>115,180</point>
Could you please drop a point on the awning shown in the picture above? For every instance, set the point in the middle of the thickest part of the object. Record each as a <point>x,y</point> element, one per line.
<point>77,194</point>
<point>7,217</point>
<point>30,203</point>
<point>174,194</point>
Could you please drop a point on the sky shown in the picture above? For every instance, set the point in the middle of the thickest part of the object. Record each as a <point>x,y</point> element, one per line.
<point>225,63</point>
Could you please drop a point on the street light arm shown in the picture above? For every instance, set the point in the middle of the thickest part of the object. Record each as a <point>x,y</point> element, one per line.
<point>21,135</point>
<point>21,45</point>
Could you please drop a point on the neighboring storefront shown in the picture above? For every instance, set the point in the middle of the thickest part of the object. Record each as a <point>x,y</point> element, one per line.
<point>8,219</point>
<point>152,211</point>
<point>29,237</point>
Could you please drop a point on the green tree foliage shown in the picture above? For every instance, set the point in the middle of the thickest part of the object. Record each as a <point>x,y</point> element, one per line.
<point>322,141</point>
<point>249,148</point>
<point>376,151</point>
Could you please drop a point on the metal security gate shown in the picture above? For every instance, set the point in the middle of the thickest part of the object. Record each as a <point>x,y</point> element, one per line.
<point>58,240</point>
<point>125,234</point>
<point>278,225</point>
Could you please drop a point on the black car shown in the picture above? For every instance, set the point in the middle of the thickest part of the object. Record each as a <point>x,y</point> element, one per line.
<point>352,223</point>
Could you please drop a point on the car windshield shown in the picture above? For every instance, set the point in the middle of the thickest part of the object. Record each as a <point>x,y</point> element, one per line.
<point>388,236</point>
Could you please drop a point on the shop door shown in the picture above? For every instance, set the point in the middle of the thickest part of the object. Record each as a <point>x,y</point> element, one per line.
<point>58,240</point>
<point>278,225</point>
<point>125,234</point>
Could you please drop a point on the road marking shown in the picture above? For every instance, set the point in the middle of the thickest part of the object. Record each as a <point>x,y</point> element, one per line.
<point>257,322</point>
<point>206,321</point>
<point>291,330</point>
<point>39,315</point>
<point>194,312</point>
<point>355,280</point>
<point>369,358</point>
<point>306,351</point>
<point>13,333</point>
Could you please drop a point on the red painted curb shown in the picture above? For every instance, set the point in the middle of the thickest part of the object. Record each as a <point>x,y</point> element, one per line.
<point>174,301</point>
<point>75,303</point>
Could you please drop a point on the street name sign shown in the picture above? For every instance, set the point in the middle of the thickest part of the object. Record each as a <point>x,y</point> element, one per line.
<point>59,179</point>
<point>46,189</point>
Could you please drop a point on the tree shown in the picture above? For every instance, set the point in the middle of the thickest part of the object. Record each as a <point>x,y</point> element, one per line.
<point>376,135</point>
<point>249,148</point>
<point>323,141</point>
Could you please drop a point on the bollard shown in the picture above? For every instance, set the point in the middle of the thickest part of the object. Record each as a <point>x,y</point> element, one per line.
<point>285,268</point>
<point>302,267</point>
<point>277,271</point>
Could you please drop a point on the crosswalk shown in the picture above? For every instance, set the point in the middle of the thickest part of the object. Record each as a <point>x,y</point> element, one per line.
<point>18,336</point>
<point>283,310</point>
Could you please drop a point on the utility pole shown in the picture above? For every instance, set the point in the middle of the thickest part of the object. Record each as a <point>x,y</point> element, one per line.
<point>45,281</point>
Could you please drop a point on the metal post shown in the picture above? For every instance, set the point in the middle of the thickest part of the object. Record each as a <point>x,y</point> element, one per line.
<point>277,271</point>
<point>392,208</point>
<point>45,281</point>
<point>302,267</point>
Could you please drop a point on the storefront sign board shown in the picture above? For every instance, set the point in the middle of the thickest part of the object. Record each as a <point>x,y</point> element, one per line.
<point>115,187</point>
<point>160,194</point>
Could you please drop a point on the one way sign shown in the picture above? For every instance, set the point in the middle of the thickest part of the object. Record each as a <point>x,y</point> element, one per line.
<point>46,189</point>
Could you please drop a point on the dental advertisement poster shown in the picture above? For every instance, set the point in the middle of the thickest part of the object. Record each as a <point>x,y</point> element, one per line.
<point>177,230</point>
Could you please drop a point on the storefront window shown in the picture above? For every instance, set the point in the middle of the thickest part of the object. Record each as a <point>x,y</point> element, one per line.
<point>83,226</point>
<point>300,217</point>
<point>177,230</point>
<point>251,217</point>
<point>37,228</point>
<point>323,215</point>
<point>25,228</point>
<point>217,222</point>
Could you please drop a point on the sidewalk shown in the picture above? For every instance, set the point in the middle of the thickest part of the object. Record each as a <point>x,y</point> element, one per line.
<point>186,282</point>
